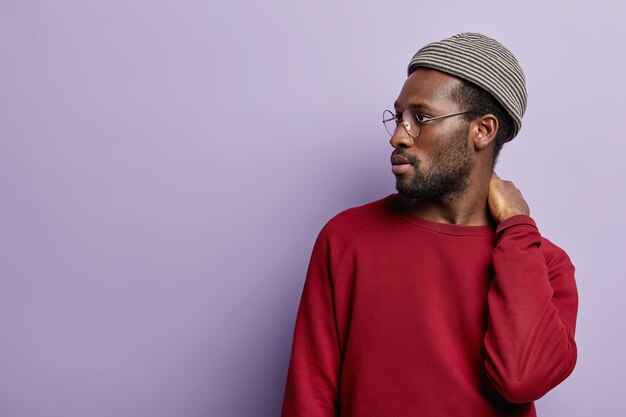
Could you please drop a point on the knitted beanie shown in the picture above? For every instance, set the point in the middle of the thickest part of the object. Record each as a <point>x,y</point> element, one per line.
<point>482,61</point>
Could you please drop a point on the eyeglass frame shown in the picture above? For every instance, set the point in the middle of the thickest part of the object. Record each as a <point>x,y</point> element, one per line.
<point>419,118</point>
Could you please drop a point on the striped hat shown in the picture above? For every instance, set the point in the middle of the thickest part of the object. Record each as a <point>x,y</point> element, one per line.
<point>482,61</point>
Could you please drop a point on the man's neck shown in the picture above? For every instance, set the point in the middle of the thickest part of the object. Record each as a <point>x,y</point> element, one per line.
<point>468,209</point>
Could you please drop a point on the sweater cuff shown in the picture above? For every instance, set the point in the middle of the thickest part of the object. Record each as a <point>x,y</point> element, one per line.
<point>517,220</point>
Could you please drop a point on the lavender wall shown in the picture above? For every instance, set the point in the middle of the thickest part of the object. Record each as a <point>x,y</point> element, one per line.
<point>165,167</point>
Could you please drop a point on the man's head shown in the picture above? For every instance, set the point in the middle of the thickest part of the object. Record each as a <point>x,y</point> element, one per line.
<point>468,74</point>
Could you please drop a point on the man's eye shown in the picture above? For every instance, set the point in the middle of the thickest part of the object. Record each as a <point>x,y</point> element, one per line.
<point>398,117</point>
<point>420,117</point>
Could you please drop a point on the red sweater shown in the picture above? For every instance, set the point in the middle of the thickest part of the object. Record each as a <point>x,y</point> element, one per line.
<point>404,317</point>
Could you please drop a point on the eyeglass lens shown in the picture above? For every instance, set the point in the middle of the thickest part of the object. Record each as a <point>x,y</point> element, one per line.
<point>408,121</point>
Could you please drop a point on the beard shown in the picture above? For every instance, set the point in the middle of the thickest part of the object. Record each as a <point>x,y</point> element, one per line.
<point>448,175</point>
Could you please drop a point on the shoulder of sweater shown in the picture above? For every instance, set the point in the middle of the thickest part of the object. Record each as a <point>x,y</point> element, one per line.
<point>350,222</point>
<point>554,255</point>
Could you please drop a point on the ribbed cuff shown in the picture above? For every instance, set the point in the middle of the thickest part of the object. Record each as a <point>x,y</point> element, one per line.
<point>517,220</point>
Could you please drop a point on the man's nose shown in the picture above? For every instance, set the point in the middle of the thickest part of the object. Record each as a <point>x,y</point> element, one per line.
<point>400,138</point>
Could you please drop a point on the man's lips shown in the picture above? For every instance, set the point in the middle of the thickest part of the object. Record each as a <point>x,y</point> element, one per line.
<point>399,160</point>
<point>400,165</point>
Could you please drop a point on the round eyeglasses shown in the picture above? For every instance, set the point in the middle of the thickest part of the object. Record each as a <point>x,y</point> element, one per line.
<point>411,122</point>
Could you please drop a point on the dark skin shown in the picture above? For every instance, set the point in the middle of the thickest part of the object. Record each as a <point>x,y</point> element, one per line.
<point>486,196</point>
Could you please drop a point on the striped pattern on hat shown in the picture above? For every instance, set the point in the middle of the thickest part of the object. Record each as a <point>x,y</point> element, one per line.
<point>482,61</point>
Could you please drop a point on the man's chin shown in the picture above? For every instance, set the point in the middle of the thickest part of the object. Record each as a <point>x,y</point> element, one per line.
<point>410,189</point>
<point>406,189</point>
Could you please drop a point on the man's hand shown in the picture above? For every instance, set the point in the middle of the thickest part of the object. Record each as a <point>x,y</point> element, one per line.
<point>505,200</point>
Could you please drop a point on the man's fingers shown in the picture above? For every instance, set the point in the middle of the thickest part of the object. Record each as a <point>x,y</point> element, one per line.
<point>505,199</point>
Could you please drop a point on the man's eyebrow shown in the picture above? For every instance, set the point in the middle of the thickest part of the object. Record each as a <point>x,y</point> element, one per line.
<point>419,106</point>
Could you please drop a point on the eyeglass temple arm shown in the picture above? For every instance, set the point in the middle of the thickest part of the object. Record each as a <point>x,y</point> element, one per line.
<point>428,119</point>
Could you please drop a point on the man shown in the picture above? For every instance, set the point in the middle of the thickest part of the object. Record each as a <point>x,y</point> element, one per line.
<point>442,299</point>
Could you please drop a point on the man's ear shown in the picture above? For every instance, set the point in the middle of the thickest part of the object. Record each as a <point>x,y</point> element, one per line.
<point>485,129</point>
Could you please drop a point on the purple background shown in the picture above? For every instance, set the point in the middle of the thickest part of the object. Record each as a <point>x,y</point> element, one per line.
<point>165,167</point>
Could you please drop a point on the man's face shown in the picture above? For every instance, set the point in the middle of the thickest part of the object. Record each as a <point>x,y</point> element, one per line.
<point>436,165</point>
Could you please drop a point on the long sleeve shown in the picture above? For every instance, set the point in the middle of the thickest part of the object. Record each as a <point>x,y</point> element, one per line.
<point>313,376</point>
<point>532,307</point>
